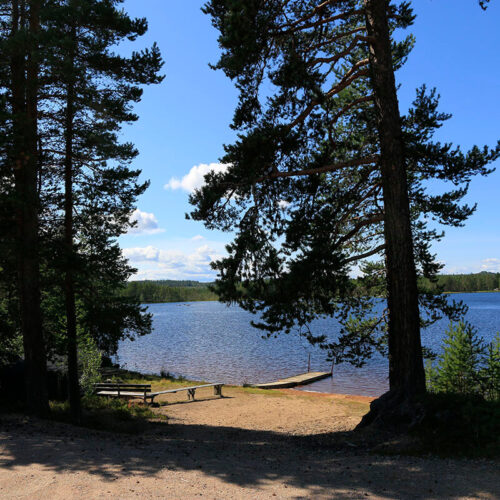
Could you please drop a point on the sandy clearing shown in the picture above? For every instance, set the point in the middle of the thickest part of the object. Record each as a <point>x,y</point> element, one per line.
<point>247,445</point>
<point>287,411</point>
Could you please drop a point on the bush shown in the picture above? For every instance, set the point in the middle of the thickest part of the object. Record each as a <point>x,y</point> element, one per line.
<point>11,348</point>
<point>467,365</point>
<point>90,360</point>
<point>490,373</point>
<point>457,424</point>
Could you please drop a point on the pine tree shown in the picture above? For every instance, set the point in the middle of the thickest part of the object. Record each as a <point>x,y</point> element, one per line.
<point>64,98</point>
<point>326,174</point>
<point>458,368</point>
<point>21,52</point>
<point>490,372</point>
<point>97,87</point>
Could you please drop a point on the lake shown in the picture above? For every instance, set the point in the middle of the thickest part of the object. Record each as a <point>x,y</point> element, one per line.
<point>213,342</point>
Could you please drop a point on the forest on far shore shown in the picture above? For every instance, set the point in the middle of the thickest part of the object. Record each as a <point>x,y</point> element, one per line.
<point>191,291</point>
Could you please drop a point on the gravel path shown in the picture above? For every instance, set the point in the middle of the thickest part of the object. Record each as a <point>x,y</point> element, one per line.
<point>254,446</point>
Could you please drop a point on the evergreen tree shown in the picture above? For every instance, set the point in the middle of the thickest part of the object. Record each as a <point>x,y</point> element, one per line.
<point>97,89</point>
<point>326,174</point>
<point>21,52</point>
<point>490,372</point>
<point>457,370</point>
<point>64,98</point>
<point>467,365</point>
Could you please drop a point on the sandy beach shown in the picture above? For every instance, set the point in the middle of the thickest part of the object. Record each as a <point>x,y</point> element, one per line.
<point>285,444</point>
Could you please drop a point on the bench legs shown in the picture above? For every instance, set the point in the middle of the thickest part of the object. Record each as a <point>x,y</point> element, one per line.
<point>217,392</point>
<point>190,393</point>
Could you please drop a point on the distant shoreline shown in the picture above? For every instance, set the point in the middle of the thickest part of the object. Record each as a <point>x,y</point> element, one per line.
<point>168,291</point>
<point>216,300</point>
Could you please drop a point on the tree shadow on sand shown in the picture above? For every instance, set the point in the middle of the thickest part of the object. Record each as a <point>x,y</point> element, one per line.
<point>248,458</point>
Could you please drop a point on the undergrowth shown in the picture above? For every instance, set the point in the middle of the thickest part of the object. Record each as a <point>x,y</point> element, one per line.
<point>460,425</point>
<point>108,414</point>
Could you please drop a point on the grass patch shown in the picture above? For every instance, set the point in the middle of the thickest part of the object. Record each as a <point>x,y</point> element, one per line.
<point>353,408</point>
<point>158,382</point>
<point>458,425</point>
<point>108,414</point>
<point>266,392</point>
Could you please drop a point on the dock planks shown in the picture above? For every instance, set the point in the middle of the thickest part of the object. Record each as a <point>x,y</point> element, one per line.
<point>302,379</point>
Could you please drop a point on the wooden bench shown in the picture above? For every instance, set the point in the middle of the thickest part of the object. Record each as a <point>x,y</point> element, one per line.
<point>119,390</point>
<point>190,391</point>
<point>143,391</point>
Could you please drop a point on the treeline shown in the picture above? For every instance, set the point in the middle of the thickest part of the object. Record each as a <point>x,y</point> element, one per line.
<point>191,291</point>
<point>175,283</point>
<point>149,292</point>
<point>455,283</point>
<point>479,282</point>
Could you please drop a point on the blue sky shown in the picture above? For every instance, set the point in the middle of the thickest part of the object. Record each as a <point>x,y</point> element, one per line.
<point>184,123</point>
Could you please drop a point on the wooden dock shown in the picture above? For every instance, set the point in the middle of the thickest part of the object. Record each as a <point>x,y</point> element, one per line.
<point>302,379</point>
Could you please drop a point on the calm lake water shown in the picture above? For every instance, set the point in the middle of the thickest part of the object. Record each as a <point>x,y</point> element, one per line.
<point>210,341</point>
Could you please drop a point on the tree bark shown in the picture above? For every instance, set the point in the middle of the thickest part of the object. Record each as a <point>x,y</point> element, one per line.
<point>406,372</point>
<point>24,74</point>
<point>69,283</point>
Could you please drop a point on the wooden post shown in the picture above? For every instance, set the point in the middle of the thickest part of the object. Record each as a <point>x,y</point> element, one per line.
<point>309,363</point>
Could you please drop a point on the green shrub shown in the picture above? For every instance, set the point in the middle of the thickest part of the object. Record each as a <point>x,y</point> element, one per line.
<point>90,358</point>
<point>11,348</point>
<point>467,365</point>
<point>458,424</point>
<point>462,408</point>
<point>490,372</point>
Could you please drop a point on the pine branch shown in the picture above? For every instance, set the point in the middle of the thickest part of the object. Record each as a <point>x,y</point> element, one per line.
<point>311,14</point>
<point>351,105</point>
<point>336,38</point>
<point>358,227</point>
<point>321,22</point>
<point>327,168</point>
<point>348,78</point>
<point>365,255</point>
<point>341,55</point>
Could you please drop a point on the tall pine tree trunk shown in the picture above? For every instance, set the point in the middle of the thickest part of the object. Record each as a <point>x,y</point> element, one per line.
<point>69,284</point>
<point>24,71</point>
<point>406,372</point>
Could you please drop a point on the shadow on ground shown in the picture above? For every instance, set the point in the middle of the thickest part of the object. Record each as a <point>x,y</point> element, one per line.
<point>191,401</point>
<point>247,458</point>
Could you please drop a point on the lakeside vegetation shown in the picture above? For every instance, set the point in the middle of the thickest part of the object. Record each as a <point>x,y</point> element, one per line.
<point>153,292</point>
<point>478,282</point>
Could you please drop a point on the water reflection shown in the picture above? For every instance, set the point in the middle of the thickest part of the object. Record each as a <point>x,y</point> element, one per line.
<point>213,342</point>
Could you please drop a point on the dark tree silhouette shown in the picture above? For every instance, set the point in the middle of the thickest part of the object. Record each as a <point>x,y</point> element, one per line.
<point>326,174</point>
<point>67,177</point>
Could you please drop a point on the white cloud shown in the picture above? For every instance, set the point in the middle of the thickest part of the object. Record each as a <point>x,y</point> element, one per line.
<point>198,237</point>
<point>146,223</point>
<point>196,177</point>
<point>172,264</point>
<point>491,265</point>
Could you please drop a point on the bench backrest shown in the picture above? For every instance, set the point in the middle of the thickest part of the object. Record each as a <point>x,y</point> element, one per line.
<point>122,387</point>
